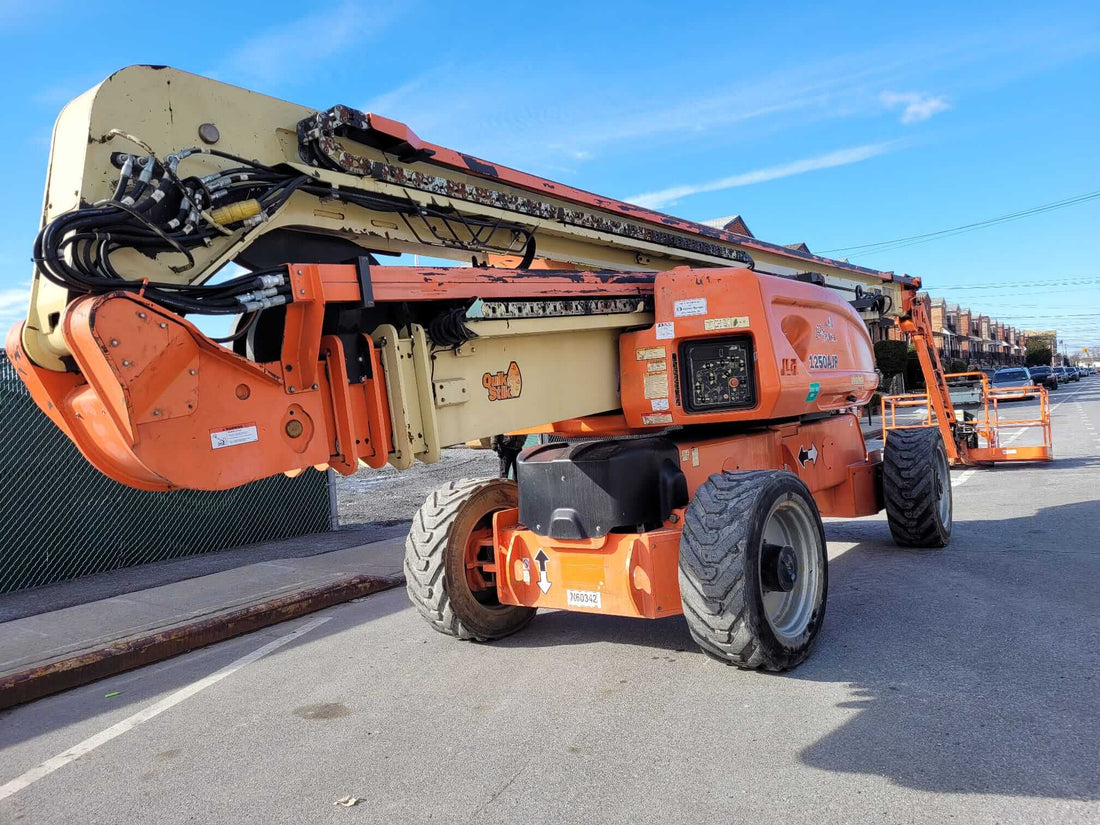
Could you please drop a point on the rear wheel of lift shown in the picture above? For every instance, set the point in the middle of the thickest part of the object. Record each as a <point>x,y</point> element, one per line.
<point>916,484</point>
<point>450,570</point>
<point>754,572</point>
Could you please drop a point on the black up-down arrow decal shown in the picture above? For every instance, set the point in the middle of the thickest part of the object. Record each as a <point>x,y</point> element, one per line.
<point>540,560</point>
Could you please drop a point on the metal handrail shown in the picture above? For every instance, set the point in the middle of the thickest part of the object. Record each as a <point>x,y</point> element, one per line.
<point>988,426</point>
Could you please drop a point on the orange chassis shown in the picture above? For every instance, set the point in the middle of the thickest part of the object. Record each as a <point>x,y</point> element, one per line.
<point>152,391</point>
<point>636,573</point>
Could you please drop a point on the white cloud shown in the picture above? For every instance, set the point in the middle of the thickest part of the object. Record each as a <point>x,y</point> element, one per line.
<point>13,299</point>
<point>13,308</point>
<point>915,106</point>
<point>287,51</point>
<point>841,157</point>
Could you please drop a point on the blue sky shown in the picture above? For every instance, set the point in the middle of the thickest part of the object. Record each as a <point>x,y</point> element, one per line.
<point>837,124</point>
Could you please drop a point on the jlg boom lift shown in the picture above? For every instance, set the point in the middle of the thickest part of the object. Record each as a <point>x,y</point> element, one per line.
<point>735,366</point>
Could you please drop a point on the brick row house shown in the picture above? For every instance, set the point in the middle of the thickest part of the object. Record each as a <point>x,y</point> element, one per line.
<point>962,335</point>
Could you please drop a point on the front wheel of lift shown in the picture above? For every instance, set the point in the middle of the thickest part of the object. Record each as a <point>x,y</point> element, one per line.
<point>754,572</point>
<point>450,572</point>
<point>916,485</point>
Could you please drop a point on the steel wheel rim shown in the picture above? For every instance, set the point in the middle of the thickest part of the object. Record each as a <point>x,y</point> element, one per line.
<point>941,480</point>
<point>479,573</point>
<point>791,523</point>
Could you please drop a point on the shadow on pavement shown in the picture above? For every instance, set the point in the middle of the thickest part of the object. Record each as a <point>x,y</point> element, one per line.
<point>974,668</point>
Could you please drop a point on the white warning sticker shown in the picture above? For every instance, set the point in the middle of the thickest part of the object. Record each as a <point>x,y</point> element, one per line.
<point>233,436</point>
<point>583,598</point>
<point>666,330</point>
<point>735,322</point>
<point>690,306</point>
<point>659,404</point>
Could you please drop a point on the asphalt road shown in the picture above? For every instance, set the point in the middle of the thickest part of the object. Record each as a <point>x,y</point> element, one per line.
<point>947,686</point>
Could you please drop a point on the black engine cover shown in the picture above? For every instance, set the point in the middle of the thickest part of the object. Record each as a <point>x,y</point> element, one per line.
<point>587,489</point>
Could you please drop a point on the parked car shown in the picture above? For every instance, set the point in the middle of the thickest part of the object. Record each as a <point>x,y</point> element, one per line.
<point>1064,375</point>
<point>1074,373</point>
<point>1013,378</point>
<point>1044,377</point>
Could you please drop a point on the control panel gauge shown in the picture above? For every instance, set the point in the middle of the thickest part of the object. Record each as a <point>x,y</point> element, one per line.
<point>718,374</point>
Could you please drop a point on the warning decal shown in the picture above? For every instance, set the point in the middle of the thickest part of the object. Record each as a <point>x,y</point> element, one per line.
<point>233,436</point>
<point>656,385</point>
<point>737,322</point>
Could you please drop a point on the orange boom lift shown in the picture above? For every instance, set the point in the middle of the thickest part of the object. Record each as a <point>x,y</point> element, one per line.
<point>697,388</point>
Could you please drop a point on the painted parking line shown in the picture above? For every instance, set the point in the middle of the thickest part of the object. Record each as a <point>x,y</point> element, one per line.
<point>963,478</point>
<point>128,724</point>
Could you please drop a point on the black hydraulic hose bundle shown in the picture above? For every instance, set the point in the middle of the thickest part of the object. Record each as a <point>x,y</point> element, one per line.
<point>154,211</point>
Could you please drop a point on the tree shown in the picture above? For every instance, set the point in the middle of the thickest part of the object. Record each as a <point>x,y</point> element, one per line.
<point>1040,350</point>
<point>1038,357</point>
<point>890,357</point>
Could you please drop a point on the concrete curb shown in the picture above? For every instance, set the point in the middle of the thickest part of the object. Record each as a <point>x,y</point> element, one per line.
<point>43,680</point>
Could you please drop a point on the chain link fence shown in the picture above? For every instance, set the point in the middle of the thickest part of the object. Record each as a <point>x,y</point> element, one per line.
<point>60,518</point>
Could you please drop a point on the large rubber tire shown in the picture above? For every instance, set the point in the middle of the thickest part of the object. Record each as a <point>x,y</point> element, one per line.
<point>721,582</point>
<point>435,561</point>
<point>916,481</point>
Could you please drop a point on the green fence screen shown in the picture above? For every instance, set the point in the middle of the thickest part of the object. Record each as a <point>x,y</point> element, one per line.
<point>60,518</point>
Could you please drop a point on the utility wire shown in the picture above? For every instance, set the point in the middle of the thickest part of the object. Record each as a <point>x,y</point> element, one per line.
<point>897,243</point>
<point>1082,281</point>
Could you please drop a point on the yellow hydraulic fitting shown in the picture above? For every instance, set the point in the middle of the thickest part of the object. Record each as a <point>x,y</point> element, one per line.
<point>235,212</point>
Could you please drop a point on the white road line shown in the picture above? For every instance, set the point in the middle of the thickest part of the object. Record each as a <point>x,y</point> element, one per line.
<point>963,478</point>
<point>119,728</point>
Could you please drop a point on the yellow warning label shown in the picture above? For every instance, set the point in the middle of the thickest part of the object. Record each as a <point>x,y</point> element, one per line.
<point>656,366</point>
<point>649,353</point>
<point>656,386</point>
<point>657,418</point>
<point>737,322</point>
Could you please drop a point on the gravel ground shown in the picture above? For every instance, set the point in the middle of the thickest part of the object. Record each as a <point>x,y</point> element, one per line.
<point>389,496</point>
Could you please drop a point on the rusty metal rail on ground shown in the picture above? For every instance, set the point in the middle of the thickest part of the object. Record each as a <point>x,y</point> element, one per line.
<point>53,677</point>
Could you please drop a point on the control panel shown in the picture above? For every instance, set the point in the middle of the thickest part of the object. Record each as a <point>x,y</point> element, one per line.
<point>718,374</point>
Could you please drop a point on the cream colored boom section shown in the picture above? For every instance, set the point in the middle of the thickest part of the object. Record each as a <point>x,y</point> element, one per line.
<point>514,373</point>
<point>142,107</point>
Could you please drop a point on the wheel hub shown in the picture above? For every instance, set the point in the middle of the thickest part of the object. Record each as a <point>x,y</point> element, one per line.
<point>778,567</point>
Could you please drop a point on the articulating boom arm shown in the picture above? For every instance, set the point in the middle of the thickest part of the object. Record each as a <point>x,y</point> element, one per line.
<point>588,321</point>
<point>161,176</point>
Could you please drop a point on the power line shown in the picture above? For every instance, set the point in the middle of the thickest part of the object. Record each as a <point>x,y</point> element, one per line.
<point>911,240</point>
<point>1082,281</point>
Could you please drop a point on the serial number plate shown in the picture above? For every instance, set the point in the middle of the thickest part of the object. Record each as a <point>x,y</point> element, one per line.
<point>583,598</point>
